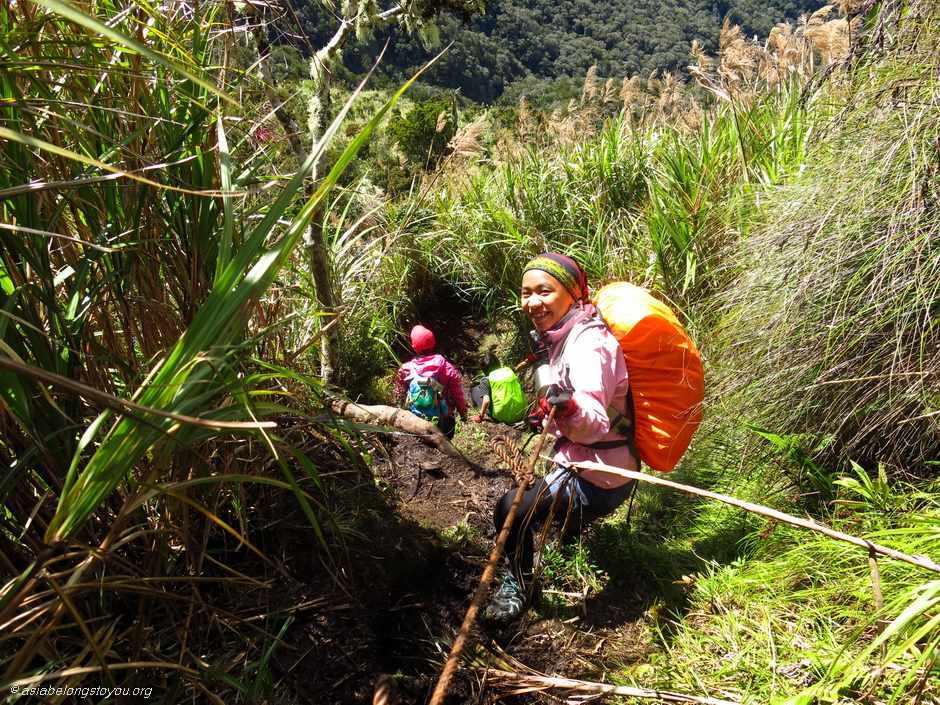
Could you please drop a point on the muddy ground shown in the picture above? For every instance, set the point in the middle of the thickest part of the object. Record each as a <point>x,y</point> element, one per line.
<point>422,531</point>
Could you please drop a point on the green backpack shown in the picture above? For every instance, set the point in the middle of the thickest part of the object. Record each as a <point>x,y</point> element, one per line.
<point>507,399</point>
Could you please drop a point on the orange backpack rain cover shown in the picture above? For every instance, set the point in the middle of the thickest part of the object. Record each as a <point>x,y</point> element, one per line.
<point>665,371</point>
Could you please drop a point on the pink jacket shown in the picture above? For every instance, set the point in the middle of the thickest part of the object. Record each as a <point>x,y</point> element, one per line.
<point>445,373</point>
<point>590,362</point>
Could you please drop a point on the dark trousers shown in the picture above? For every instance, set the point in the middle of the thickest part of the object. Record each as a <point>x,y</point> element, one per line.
<point>447,424</point>
<point>576,504</point>
<point>478,391</point>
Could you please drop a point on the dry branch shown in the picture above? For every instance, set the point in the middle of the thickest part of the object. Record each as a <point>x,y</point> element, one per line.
<point>919,561</point>
<point>534,682</point>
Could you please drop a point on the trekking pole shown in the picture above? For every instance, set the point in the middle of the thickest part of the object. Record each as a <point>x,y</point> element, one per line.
<point>443,682</point>
<point>526,361</point>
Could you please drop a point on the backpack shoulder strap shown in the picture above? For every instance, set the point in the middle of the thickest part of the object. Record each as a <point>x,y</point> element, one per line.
<point>621,423</point>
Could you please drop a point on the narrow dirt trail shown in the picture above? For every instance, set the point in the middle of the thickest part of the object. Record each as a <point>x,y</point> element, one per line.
<point>581,636</point>
<point>425,530</point>
<point>577,635</point>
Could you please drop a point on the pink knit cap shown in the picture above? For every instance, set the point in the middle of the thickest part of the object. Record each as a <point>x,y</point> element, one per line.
<point>422,339</point>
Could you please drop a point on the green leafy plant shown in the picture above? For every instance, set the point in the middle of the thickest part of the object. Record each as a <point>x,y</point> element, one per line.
<point>424,132</point>
<point>569,570</point>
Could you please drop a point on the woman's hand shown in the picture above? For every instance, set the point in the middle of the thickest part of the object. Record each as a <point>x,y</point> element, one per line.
<point>559,398</point>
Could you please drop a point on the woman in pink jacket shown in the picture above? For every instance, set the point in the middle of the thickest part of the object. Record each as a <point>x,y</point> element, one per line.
<point>592,419</point>
<point>428,365</point>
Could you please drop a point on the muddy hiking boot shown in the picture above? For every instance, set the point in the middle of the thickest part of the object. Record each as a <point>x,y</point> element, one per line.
<point>507,602</point>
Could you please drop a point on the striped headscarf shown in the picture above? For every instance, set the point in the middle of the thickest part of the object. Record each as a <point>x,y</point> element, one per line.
<point>568,273</point>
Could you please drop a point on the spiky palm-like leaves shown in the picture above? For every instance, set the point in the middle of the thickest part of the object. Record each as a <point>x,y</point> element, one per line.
<point>134,254</point>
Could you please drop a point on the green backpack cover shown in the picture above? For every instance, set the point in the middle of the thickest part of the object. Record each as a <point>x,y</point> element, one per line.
<point>507,399</point>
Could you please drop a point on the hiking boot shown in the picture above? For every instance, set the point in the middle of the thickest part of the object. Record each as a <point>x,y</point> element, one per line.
<point>506,603</point>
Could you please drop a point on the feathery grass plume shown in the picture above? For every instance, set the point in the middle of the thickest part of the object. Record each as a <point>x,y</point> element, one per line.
<point>464,148</point>
<point>466,141</point>
<point>702,60</point>
<point>829,37</point>
<point>746,69</point>
<point>791,52</point>
<point>693,116</point>
<point>589,89</point>
<point>820,16</point>
<point>567,127</point>
<point>629,90</point>
<point>670,95</point>
<point>524,120</point>
<point>768,67</point>
<point>739,59</point>
<point>610,91</point>
<point>509,147</point>
<point>441,122</point>
<point>832,39</point>
<point>566,130</point>
<point>636,102</point>
<point>713,84</point>
<point>779,38</point>
<point>851,7</point>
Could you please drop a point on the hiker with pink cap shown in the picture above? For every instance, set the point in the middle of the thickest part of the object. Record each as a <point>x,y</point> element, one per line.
<point>430,384</point>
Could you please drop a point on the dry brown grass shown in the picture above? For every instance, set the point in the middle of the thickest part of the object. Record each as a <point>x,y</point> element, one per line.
<point>589,91</point>
<point>847,340</point>
<point>610,91</point>
<point>465,151</point>
<point>466,141</point>
<point>745,68</point>
<point>629,91</point>
<point>525,121</point>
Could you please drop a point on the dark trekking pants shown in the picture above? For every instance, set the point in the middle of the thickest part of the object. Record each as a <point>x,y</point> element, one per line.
<point>577,503</point>
<point>448,425</point>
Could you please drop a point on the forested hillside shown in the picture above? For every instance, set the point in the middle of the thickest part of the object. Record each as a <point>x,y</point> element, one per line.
<point>551,39</point>
<point>222,270</point>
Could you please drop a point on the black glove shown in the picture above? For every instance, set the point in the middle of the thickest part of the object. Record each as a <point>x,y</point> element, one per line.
<point>559,398</point>
<point>556,396</point>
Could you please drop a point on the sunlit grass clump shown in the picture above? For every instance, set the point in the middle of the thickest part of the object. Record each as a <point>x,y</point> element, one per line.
<point>136,277</point>
<point>798,619</point>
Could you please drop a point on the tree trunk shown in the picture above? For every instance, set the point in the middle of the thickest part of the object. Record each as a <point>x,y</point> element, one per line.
<point>318,258</point>
<point>318,255</point>
<point>319,116</point>
<point>401,419</point>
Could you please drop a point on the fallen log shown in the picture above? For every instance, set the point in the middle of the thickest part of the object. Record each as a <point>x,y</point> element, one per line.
<point>383,415</point>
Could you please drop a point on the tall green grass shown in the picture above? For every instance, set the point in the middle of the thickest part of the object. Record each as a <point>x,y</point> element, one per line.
<point>834,314</point>
<point>822,340</point>
<point>661,204</point>
<point>658,204</point>
<point>147,255</point>
<point>136,257</point>
<point>796,621</point>
<point>797,232</point>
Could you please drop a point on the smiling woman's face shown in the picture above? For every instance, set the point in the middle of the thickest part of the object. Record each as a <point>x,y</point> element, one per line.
<point>544,299</point>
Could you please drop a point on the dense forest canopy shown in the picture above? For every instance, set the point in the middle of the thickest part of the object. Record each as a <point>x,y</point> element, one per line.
<point>550,39</point>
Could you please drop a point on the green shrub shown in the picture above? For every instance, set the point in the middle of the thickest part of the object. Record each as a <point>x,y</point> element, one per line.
<point>424,132</point>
